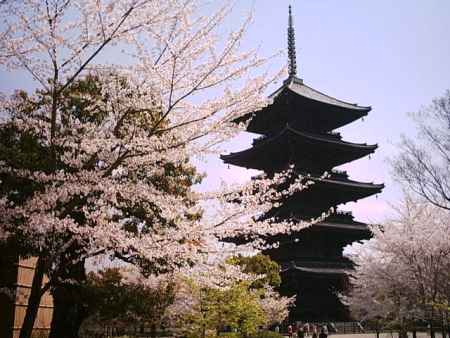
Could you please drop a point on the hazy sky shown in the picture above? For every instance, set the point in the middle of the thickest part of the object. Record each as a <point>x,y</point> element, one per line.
<point>391,55</point>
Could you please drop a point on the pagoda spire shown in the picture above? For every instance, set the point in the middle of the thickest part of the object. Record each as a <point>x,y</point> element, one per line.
<point>291,47</point>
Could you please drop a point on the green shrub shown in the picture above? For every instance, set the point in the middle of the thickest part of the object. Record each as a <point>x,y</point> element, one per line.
<point>260,334</point>
<point>230,335</point>
<point>267,334</point>
<point>40,333</point>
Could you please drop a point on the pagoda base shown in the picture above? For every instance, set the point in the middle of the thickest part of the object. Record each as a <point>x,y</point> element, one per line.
<point>317,290</point>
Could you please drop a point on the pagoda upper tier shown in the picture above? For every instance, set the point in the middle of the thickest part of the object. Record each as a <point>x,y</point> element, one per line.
<point>324,240</point>
<point>330,191</point>
<point>303,108</point>
<point>301,148</point>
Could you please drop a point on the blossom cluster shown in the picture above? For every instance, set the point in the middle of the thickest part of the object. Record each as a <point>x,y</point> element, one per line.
<point>109,143</point>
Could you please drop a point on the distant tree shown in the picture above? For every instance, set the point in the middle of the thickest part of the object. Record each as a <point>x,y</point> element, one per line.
<point>423,164</point>
<point>274,306</point>
<point>403,272</point>
<point>247,301</point>
<point>259,265</point>
<point>119,301</point>
<point>198,309</point>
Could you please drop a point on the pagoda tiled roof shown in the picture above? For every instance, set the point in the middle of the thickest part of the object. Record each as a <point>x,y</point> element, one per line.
<point>297,86</point>
<point>337,189</point>
<point>323,193</point>
<point>343,226</point>
<point>338,180</point>
<point>321,268</point>
<point>347,232</point>
<point>306,145</point>
<point>328,138</point>
<point>303,106</point>
<point>348,183</point>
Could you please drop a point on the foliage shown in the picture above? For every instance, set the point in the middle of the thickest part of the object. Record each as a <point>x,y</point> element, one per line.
<point>235,308</point>
<point>267,277</point>
<point>114,299</point>
<point>259,265</point>
<point>229,335</point>
<point>39,334</point>
<point>244,305</point>
<point>267,334</point>
<point>258,334</point>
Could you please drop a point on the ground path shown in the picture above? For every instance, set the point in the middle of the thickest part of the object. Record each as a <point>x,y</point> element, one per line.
<point>382,335</point>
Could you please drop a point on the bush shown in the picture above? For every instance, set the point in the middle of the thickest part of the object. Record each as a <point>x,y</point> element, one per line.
<point>229,335</point>
<point>267,334</point>
<point>260,334</point>
<point>40,333</point>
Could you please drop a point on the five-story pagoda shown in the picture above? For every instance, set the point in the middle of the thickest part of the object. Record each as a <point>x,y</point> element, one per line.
<point>296,130</point>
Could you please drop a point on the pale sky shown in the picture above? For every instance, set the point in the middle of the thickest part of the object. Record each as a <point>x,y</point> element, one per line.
<point>391,55</point>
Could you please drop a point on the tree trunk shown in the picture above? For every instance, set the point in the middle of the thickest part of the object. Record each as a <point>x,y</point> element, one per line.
<point>153,330</point>
<point>432,335</point>
<point>33,301</point>
<point>444,331</point>
<point>70,309</point>
<point>69,312</point>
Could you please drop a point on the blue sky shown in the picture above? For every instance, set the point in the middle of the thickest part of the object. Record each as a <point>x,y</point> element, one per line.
<point>392,55</point>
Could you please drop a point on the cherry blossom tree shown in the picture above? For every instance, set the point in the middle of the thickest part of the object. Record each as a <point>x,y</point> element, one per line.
<point>127,93</point>
<point>275,307</point>
<point>403,272</point>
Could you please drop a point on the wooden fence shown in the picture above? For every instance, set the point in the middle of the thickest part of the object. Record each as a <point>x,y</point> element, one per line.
<point>18,273</point>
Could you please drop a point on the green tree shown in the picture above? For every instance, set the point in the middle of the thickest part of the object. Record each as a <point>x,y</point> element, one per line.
<point>244,306</point>
<point>116,301</point>
<point>236,308</point>
<point>259,265</point>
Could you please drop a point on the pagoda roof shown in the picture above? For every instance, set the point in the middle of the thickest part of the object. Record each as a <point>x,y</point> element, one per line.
<point>324,193</point>
<point>350,184</point>
<point>297,86</point>
<point>338,189</point>
<point>299,104</point>
<point>319,268</point>
<point>359,227</point>
<point>303,148</point>
<point>353,230</point>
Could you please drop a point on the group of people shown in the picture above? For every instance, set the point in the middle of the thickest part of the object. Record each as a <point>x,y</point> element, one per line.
<point>307,330</point>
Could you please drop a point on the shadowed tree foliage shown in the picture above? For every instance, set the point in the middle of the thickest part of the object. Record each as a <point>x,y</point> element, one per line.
<point>114,301</point>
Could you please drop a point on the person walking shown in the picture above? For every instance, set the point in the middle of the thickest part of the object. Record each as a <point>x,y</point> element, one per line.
<point>314,331</point>
<point>307,329</point>
<point>290,331</point>
<point>301,332</point>
<point>322,333</point>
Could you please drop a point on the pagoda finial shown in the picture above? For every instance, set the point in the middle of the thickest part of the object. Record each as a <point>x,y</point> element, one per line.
<point>291,47</point>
